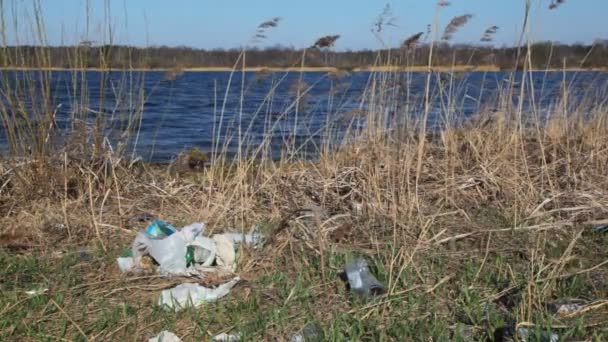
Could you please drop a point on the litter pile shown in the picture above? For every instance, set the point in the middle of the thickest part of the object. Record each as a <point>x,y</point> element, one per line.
<point>163,249</point>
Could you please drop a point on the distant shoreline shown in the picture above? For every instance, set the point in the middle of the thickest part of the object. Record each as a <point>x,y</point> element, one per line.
<point>456,68</point>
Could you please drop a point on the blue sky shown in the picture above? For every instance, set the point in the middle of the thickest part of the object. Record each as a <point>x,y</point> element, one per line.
<point>230,23</point>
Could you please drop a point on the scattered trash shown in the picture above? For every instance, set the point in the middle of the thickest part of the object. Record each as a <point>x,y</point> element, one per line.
<point>601,229</point>
<point>165,245</point>
<point>361,280</point>
<point>159,228</point>
<point>528,334</point>
<point>507,333</point>
<point>193,295</point>
<point>223,337</point>
<point>165,336</point>
<point>186,252</point>
<point>248,239</point>
<point>201,251</point>
<point>125,264</point>
<point>566,307</point>
<point>225,254</point>
<point>169,253</point>
<point>37,292</point>
<point>312,332</point>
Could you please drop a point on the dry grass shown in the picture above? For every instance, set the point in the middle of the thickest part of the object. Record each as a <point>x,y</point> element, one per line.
<point>472,226</point>
<point>485,191</point>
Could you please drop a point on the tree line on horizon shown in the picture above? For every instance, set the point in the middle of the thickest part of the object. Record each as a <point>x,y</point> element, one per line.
<point>543,55</point>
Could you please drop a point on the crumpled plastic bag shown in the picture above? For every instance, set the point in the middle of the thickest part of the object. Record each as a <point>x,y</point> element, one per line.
<point>125,264</point>
<point>254,238</point>
<point>165,336</point>
<point>311,332</point>
<point>159,228</point>
<point>360,278</point>
<point>168,251</point>
<point>225,252</point>
<point>189,294</point>
<point>223,337</point>
<point>528,335</point>
<point>184,252</point>
<point>566,307</point>
<point>203,251</point>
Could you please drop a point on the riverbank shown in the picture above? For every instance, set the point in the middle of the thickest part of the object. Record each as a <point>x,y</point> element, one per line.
<point>422,68</point>
<point>477,236</point>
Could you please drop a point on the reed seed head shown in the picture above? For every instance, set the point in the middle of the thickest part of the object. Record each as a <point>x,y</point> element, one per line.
<point>412,41</point>
<point>260,33</point>
<point>326,42</point>
<point>489,33</point>
<point>384,19</point>
<point>274,22</point>
<point>556,3</point>
<point>455,24</point>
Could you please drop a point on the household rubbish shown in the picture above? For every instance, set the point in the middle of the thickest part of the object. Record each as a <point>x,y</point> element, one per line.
<point>186,252</point>
<point>183,252</point>
<point>566,307</point>
<point>193,295</point>
<point>223,337</point>
<point>360,278</point>
<point>165,336</point>
<point>311,332</point>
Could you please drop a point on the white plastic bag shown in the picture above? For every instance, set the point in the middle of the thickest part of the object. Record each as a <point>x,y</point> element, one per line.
<point>204,250</point>
<point>248,239</point>
<point>169,253</point>
<point>165,336</point>
<point>223,337</point>
<point>225,254</point>
<point>188,294</point>
<point>125,264</point>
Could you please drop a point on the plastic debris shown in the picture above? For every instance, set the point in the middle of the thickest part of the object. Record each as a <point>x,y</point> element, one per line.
<point>159,228</point>
<point>186,252</point>
<point>361,280</point>
<point>36,292</point>
<point>566,307</point>
<point>165,336</point>
<point>188,295</point>
<point>223,337</point>
<point>527,334</point>
<point>524,334</point>
<point>601,229</point>
<point>225,252</point>
<point>201,251</point>
<point>311,332</point>
<point>166,246</point>
<point>183,252</point>
<point>248,239</point>
<point>125,264</point>
<point>169,252</point>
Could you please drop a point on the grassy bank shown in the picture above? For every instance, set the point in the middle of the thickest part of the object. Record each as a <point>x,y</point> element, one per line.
<point>496,224</point>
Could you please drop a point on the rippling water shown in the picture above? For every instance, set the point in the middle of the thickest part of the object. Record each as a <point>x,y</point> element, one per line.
<point>198,109</point>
